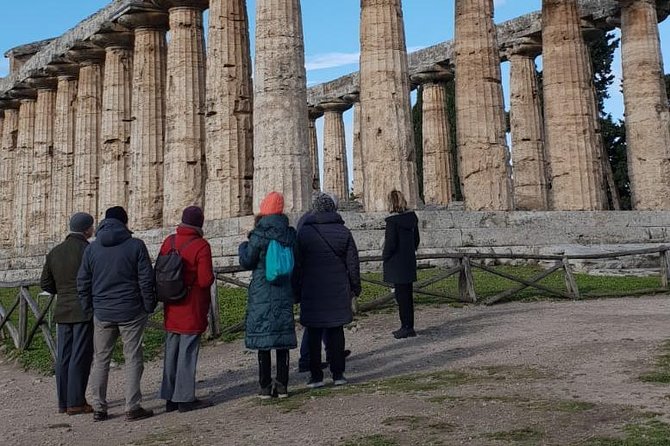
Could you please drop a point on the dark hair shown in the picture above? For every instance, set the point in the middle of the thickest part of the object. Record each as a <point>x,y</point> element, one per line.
<point>396,202</point>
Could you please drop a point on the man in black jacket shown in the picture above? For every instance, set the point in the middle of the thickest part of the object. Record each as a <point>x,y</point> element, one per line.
<point>75,329</point>
<point>116,284</point>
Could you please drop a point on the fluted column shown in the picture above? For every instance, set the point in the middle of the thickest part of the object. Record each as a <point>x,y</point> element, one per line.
<point>387,131</point>
<point>314,113</point>
<point>573,144</point>
<point>527,127</point>
<point>281,136</point>
<point>646,104</point>
<point>229,121</point>
<point>480,124</point>
<point>116,119</point>
<point>88,118</point>
<point>62,178</point>
<point>40,223</point>
<point>8,177</point>
<point>145,201</point>
<point>437,171</point>
<point>25,145</point>
<point>185,111</point>
<point>357,152</point>
<point>335,172</point>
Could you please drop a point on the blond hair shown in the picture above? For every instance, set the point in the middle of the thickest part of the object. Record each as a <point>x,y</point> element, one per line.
<point>396,202</point>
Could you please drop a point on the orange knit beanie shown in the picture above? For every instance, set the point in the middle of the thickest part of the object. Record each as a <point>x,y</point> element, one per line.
<point>272,204</point>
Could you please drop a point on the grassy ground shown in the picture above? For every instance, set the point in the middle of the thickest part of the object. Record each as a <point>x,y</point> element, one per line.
<point>232,305</point>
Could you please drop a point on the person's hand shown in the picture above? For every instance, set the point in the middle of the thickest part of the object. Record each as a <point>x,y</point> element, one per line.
<point>354,304</point>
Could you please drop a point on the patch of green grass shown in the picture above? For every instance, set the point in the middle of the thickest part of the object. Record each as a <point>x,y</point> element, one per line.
<point>650,433</point>
<point>371,440</point>
<point>661,374</point>
<point>525,436</point>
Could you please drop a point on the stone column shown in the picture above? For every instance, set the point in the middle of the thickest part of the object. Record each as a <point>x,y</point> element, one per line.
<point>387,131</point>
<point>281,136</point>
<point>646,102</point>
<point>314,113</point>
<point>40,224</point>
<point>357,152</point>
<point>480,125</point>
<point>573,144</point>
<point>527,127</point>
<point>116,119</point>
<point>25,145</point>
<point>335,170</point>
<point>437,170</point>
<point>229,121</point>
<point>88,118</point>
<point>185,110</point>
<point>62,177</point>
<point>8,177</point>
<point>145,202</point>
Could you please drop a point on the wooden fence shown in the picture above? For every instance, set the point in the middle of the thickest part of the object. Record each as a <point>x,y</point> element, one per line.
<point>464,263</point>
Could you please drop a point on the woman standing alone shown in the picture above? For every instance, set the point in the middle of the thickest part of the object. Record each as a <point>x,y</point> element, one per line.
<point>400,244</point>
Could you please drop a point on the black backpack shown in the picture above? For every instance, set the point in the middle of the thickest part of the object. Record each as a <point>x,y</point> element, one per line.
<point>169,274</point>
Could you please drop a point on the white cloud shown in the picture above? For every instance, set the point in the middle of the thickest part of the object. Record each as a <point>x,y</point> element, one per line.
<point>331,60</point>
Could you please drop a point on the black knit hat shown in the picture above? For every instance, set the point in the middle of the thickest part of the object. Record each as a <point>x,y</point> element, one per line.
<point>117,213</point>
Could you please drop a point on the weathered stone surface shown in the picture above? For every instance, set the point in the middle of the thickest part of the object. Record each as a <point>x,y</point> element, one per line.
<point>115,127</point>
<point>647,114</point>
<point>335,170</point>
<point>281,152</point>
<point>8,160</point>
<point>438,175</point>
<point>87,138</point>
<point>314,114</point>
<point>527,128</point>
<point>573,144</point>
<point>40,223</point>
<point>387,133</point>
<point>145,201</point>
<point>25,145</point>
<point>185,114</point>
<point>357,152</point>
<point>480,113</point>
<point>62,172</point>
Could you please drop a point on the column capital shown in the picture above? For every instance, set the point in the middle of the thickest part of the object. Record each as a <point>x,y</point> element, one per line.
<point>152,19</point>
<point>23,93</point>
<point>169,4</point>
<point>338,106</point>
<point>63,69</point>
<point>6,104</point>
<point>525,47</point>
<point>352,98</point>
<point>432,77</point>
<point>122,39</point>
<point>86,54</point>
<point>42,83</point>
<point>314,112</point>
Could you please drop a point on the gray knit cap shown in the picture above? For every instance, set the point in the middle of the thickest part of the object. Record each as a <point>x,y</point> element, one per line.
<point>80,222</point>
<point>324,202</point>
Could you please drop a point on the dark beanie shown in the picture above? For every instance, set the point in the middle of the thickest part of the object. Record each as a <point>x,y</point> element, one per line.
<point>193,216</point>
<point>117,213</point>
<point>323,202</point>
<point>80,222</point>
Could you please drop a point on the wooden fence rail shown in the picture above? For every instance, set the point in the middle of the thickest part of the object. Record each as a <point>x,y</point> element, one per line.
<point>21,336</point>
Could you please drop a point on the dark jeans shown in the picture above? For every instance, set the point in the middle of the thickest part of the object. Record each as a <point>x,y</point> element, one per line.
<point>73,364</point>
<point>303,362</point>
<point>334,344</point>
<point>265,367</point>
<point>405,297</point>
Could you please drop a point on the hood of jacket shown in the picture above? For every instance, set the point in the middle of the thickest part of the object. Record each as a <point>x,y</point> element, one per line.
<point>189,231</point>
<point>276,227</point>
<point>112,232</point>
<point>406,220</point>
<point>320,218</point>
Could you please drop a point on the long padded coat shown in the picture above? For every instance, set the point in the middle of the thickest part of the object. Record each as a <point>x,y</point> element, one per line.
<point>400,244</point>
<point>269,319</point>
<point>326,278</point>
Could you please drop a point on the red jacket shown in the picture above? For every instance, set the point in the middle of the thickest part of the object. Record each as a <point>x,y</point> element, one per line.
<point>189,315</point>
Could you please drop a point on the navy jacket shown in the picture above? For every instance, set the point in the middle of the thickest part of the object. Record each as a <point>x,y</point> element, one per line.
<point>400,244</point>
<point>116,279</point>
<point>269,320</point>
<point>327,271</point>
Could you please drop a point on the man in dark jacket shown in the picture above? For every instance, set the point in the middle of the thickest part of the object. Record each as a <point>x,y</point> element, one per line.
<point>116,284</point>
<point>75,329</point>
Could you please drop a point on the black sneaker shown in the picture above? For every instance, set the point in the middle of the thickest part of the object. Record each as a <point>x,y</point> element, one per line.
<point>139,414</point>
<point>171,406</point>
<point>265,393</point>
<point>194,405</point>
<point>347,353</point>
<point>404,333</point>
<point>100,415</point>
<point>280,391</point>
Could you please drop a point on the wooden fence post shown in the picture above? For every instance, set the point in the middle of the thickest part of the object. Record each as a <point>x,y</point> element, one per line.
<point>466,283</point>
<point>665,268</point>
<point>214,327</point>
<point>23,320</point>
<point>570,282</point>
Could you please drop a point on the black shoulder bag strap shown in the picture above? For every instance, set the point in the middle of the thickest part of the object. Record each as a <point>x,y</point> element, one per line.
<point>177,250</point>
<point>331,247</point>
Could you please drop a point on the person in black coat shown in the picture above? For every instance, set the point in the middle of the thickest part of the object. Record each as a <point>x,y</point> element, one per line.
<point>326,277</point>
<point>400,244</point>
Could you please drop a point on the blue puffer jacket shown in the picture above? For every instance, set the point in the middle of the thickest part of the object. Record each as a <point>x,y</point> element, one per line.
<point>269,319</point>
<point>327,271</point>
<point>116,280</point>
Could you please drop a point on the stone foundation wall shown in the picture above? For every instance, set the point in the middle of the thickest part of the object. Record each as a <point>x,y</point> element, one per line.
<point>441,231</point>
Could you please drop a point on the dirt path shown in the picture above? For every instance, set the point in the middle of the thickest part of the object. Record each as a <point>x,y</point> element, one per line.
<point>539,373</point>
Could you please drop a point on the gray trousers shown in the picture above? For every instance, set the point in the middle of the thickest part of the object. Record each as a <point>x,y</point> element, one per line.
<point>104,338</point>
<point>181,359</point>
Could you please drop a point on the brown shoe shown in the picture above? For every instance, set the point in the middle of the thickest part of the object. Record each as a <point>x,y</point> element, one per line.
<point>78,410</point>
<point>139,414</point>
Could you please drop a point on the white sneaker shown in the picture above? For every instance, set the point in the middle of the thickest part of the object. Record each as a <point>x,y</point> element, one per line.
<point>315,384</point>
<point>340,382</point>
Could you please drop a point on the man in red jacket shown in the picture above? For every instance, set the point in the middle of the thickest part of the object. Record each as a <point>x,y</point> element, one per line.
<point>186,319</point>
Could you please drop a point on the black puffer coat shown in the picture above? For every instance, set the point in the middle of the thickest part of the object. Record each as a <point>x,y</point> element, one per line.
<point>327,271</point>
<point>400,245</point>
